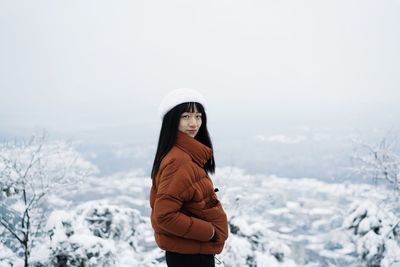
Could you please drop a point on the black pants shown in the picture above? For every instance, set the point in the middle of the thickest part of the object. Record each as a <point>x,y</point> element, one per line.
<point>189,260</point>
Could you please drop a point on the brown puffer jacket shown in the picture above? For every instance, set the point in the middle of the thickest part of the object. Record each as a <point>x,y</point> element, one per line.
<point>184,205</point>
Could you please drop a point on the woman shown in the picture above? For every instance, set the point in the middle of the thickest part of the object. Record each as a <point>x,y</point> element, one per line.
<point>188,220</point>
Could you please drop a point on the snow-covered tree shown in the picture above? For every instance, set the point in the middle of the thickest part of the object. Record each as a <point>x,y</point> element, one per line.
<point>378,161</point>
<point>375,225</point>
<point>29,171</point>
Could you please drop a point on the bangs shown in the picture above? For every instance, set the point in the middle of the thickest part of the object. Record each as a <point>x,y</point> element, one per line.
<point>193,107</point>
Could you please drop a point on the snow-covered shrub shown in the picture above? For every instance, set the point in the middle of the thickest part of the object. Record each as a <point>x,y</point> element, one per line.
<point>97,234</point>
<point>251,244</point>
<point>111,222</point>
<point>92,252</point>
<point>237,252</point>
<point>375,233</point>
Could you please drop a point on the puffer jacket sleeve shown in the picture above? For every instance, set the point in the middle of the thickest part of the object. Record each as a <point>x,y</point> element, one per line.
<point>174,188</point>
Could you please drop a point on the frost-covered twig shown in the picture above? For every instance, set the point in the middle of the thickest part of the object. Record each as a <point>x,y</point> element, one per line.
<point>392,229</point>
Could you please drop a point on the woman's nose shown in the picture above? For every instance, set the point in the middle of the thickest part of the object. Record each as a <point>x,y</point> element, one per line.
<point>192,121</point>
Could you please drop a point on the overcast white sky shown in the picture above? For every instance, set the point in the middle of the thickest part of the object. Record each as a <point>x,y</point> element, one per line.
<point>81,65</point>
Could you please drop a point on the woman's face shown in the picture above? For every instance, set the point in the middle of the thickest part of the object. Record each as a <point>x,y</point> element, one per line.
<point>190,123</point>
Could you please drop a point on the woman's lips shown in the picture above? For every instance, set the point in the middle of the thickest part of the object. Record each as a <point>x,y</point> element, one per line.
<point>192,131</point>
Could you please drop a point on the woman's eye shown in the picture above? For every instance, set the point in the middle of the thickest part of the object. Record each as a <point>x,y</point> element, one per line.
<point>198,117</point>
<point>185,116</point>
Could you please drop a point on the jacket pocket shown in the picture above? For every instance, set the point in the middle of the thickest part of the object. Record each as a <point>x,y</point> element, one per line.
<point>217,216</point>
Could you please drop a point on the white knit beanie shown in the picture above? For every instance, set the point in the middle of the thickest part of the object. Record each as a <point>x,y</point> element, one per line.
<point>179,96</point>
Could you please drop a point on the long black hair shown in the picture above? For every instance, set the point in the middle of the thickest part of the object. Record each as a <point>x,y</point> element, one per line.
<point>169,130</point>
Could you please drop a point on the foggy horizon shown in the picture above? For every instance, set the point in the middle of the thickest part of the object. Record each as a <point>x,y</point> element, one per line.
<point>284,81</point>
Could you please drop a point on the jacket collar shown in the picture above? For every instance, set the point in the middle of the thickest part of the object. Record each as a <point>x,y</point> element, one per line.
<point>197,151</point>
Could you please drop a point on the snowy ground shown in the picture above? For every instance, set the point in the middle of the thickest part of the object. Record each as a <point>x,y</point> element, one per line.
<point>274,221</point>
